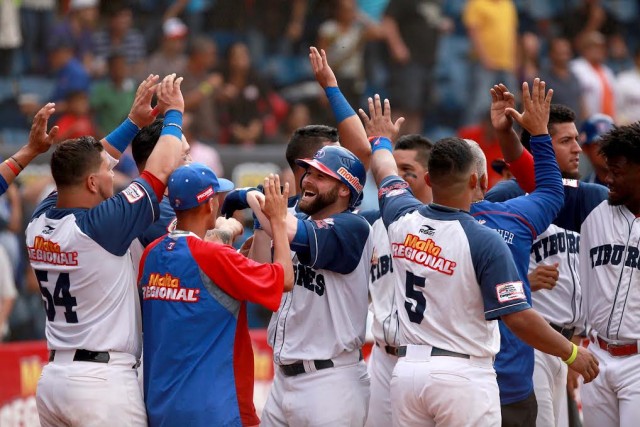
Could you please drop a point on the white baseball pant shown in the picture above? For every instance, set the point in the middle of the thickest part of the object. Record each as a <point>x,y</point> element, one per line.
<point>613,398</point>
<point>380,367</point>
<point>90,394</point>
<point>550,386</point>
<point>444,391</point>
<point>329,397</point>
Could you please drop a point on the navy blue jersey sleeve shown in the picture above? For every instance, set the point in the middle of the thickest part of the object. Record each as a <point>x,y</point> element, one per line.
<point>371,215</point>
<point>117,221</point>
<point>335,243</point>
<point>396,199</point>
<point>160,227</point>
<point>541,206</point>
<point>580,199</point>
<point>49,202</point>
<point>502,290</point>
<point>504,190</point>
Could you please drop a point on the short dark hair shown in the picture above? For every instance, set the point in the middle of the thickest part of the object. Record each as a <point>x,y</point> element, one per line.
<point>73,159</point>
<point>145,141</point>
<point>450,159</point>
<point>421,145</point>
<point>558,113</point>
<point>622,141</point>
<point>307,140</point>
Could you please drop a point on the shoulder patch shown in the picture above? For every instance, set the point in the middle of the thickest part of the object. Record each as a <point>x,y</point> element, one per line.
<point>570,182</point>
<point>133,192</point>
<point>395,188</point>
<point>510,291</point>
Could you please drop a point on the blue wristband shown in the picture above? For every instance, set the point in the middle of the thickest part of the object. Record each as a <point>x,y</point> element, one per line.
<point>339,105</point>
<point>172,124</point>
<point>380,143</point>
<point>122,136</point>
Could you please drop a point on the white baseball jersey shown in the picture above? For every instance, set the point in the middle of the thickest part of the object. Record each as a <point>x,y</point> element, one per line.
<point>609,264</point>
<point>457,275</point>
<point>562,304</point>
<point>325,313</point>
<point>83,266</point>
<point>382,284</point>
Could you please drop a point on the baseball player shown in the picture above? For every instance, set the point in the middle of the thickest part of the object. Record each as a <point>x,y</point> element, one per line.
<point>78,241</point>
<point>490,213</point>
<point>319,329</point>
<point>188,281</point>
<point>553,265</point>
<point>11,167</point>
<point>590,132</point>
<point>411,154</point>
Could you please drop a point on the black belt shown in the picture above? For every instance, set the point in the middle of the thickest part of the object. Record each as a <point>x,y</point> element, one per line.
<point>85,356</point>
<point>389,349</point>
<point>435,351</point>
<point>565,332</point>
<point>297,368</point>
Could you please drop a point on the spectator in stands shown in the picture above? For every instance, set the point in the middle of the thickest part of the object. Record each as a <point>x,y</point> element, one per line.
<point>119,36</point>
<point>68,72</point>
<point>619,58</point>
<point>596,79</point>
<point>76,121</point>
<point>8,292</point>
<point>412,30</point>
<point>37,19</point>
<point>78,26</point>
<point>559,76</point>
<point>204,153</point>
<point>112,96</point>
<point>493,30</point>
<point>628,93</point>
<point>170,56</point>
<point>10,36</point>
<point>248,116</point>
<point>202,84</point>
<point>528,57</point>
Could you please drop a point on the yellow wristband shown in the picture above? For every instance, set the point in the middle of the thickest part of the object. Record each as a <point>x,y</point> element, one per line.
<point>574,355</point>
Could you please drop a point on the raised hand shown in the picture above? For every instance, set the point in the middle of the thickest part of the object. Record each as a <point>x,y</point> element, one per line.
<point>275,202</point>
<point>322,71</point>
<point>169,94</point>
<point>39,139</point>
<point>141,112</point>
<point>501,99</point>
<point>537,104</point>
<point>379,122</point>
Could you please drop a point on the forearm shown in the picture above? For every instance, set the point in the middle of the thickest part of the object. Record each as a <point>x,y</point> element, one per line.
<point>282,251</point>
<point>531,328</point>
<point>166,155</point>
<point>549,188</point>
<point>261,247</point>
<point>352,134</point>
<point>19,161</point>
<point>510,145</point>
<point>119,139</point>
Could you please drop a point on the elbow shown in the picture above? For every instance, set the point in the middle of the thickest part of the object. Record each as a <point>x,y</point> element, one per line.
<point>288,281</point>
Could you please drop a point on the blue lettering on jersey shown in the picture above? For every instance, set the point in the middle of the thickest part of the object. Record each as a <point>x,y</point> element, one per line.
<point>308,278</point>
<point>382,266</point>
<point>555,244</point>
<point>612,254</point>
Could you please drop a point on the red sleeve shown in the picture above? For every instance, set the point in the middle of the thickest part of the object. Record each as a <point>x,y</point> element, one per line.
<point>143,258</point>
<point>237,275</point>
<point>244,370</point>
<point>157,185</point>
<point>522,170</point>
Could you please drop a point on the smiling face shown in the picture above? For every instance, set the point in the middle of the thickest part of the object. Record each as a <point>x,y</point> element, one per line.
<point>319,190</point>
<point>564,138</point>
<point>622,180</point>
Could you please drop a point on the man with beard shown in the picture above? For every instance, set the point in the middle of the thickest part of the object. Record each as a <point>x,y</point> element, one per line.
<point>554,260</point>
<point>319,329</point>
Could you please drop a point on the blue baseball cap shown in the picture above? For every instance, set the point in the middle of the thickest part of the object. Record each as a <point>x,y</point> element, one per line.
<point>594,127</point>
<point>193,184</point>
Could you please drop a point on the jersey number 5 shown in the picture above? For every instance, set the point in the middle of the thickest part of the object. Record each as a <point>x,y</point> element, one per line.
<point>61,296</point>
<point>416,303</point>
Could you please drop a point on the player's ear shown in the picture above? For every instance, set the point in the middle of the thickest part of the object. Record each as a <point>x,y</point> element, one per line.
<point>473,181</point>
<point>484,183</point>
<point>92,183</point>
<point>344,191</point>
<point>427,179</point>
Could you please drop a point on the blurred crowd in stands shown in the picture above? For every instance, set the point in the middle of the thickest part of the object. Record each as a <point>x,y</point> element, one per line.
<point>248,82</point>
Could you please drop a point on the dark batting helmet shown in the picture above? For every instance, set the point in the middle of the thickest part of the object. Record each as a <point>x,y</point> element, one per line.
<point>341,164</point>
<point>593,129</point>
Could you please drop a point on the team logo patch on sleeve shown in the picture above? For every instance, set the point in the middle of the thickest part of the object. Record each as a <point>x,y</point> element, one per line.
<point>394,189</point>
<point>133,192</point>
<point>510,291</point>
